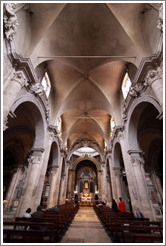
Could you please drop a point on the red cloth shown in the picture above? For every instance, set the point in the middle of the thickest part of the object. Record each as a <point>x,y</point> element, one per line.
<point>121,206</point>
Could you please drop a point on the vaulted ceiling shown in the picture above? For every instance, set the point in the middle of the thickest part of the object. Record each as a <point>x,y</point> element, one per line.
<point>86,49</point>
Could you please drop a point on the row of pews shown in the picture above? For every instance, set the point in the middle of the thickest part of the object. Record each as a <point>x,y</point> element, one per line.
<point>123,227</point>
<point>49,229</point>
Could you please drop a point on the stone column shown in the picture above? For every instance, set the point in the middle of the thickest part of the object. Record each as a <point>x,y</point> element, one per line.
<point>51,137</point>
<point>109,190</point>
<point>70,191</point>
<point>62,189</point>
<point>137,164</point>
<point>113,181</point>
<point>66,181</point>
<point>13,184</point>
<point>99,181</point>
<point>32,180</point>
<point>11,93</point>
<point>52,199</point>
<point>155,81</point>
<point>103,182</point>
<point>73,182</point>
<point>117,172</point>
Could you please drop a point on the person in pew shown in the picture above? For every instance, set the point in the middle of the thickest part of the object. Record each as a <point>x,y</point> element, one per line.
<point>27,213</point>
<point>38,214</point>
<point>55,208</point>
<point>121,205</point>
<point>138,214</point>
<point>114,206</point>
<point>103,203</point>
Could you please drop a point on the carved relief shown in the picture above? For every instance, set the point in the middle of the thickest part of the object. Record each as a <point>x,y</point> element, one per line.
<point>20,78</point>
<point>160,19</point>
<point>37,88</point>
<point>137,160</point>
<point>117,171</point>
<point>153,75</point>
<point>10,21</point>
<point>124,112</point>
<point>135,91</point>
<point>34,159</point>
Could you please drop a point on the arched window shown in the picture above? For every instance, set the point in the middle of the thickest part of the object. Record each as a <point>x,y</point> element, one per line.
<point>46,84</point>
<point>112,124</point>
<point>126,85</point>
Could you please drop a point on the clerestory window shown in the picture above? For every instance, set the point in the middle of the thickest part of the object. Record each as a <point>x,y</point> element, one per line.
<point>46,84</point>
<point>126,85</point>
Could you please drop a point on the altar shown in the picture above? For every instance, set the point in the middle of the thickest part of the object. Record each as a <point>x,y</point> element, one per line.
<point>86,200</point>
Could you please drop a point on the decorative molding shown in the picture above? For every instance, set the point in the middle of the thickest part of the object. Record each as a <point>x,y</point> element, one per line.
<point>19,76</point>
<point>117,171</point>
<point>117,133</point>
<point>137,89</point>
<point>37,88</point>
<point>160,19</point>
<point>21,63</point>
<point>34,159</point>
<point>136,157</point>
<point>10,21</point>
<point>153,75</point>
<point>124,112</point>
<point>84,142</point>
<point>54,134</point>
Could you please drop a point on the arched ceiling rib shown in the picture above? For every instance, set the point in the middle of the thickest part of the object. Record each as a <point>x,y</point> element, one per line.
<point>130,17</point>
<point>86,48</point>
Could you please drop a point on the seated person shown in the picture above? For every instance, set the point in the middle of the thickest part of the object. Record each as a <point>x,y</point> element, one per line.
<point>27,213</point>
<point>55,208</point>
<point>38,214</point>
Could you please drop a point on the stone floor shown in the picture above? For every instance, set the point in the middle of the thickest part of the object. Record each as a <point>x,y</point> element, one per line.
<point>86,228</point>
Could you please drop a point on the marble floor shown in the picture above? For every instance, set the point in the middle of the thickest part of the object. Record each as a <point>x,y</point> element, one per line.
<point>86,228</point>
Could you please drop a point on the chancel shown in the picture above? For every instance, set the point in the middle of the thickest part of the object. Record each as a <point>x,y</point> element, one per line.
<point>83,121</point>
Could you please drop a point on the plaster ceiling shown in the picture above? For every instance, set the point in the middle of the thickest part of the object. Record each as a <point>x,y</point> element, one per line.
<point>85,48</point>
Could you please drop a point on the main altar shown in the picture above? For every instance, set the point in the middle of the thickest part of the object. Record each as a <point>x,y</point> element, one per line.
<point>86,197</point>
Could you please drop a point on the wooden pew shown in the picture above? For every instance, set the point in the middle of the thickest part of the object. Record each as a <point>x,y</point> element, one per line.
<point>24,236</point>
<point>47,229</point>
<point>61,219</point>
<point>124,227</point>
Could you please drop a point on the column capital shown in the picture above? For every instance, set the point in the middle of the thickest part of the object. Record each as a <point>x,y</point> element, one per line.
<point>10,21</point>
<point>153,75</point>
<point>19,77</point>
<point>117,171</point>
<point>35,156</point>
<point>136,157</point>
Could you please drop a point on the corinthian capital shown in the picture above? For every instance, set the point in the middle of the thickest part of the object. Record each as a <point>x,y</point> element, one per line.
<point>153,75</point>
<point>117,171</point>
<point>20,78</point>
<point>34,159</point>
<point>10,21</point>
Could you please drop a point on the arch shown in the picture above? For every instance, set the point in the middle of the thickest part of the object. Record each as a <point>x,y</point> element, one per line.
<point>134,114</point>
<point>117,154</point>
<point>85,143</point>
<point>79,159</point>
<point>36,110</point>
<point>54,156</point>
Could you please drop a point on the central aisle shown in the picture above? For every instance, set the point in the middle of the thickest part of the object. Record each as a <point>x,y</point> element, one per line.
<point>86,228</point>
